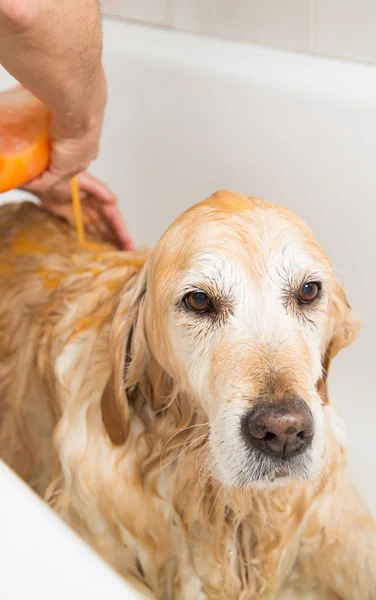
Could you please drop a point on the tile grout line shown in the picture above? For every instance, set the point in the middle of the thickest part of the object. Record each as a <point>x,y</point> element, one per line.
<point>312,26</point>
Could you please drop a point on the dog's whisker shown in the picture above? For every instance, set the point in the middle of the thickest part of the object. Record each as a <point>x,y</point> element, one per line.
<point>181,431</point>
<point>221,487</point>
<point>180,445</point>
<point>208,465</point>
<point>182,452</point>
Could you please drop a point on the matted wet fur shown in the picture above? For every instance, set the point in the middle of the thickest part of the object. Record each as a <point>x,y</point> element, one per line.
<point>121,407</point>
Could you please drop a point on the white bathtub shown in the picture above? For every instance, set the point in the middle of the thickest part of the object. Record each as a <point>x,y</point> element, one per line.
<point>189,115</point>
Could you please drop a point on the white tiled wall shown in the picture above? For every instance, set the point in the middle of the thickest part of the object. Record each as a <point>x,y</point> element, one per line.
<point>152,11</point>
<point>273,22</point>
<point>346,28</point>
<point>337,28</point>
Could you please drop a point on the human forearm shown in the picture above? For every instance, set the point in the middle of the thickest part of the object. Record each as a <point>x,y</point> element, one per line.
<point>54,48</point>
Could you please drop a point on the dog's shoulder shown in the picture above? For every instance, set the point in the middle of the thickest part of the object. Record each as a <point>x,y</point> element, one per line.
<point>41,252</point>
<point>52,290</point>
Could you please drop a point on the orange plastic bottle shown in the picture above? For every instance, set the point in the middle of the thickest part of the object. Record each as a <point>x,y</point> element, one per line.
<point>24,139</point>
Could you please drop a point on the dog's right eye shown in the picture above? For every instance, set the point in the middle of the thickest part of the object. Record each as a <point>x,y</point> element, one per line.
<point>309,292</point>
<point>198,302</point>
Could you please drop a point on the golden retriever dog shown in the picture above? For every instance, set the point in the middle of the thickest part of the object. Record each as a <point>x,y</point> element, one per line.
<point>172,406</point>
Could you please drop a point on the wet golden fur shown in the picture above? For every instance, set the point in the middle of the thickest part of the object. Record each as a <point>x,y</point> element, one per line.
<point>99,415</point>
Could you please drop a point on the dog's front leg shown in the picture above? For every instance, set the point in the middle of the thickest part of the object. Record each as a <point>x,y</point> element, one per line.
<point>339,546</point>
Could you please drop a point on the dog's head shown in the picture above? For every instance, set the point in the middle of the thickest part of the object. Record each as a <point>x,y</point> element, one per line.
<point>241,309</point>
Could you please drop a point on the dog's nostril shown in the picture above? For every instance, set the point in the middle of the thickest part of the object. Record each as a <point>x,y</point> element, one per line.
<point>304,435</point>
<point>280,429</point>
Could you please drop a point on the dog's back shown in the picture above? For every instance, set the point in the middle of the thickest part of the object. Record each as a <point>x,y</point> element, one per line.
<point>43,274</point>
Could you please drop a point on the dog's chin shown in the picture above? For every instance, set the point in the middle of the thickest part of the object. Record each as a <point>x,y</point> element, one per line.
<point>277,475</point>
<point>278,480</point>
<point>299,469</point>
<point>281,476</point>
<point>273,482</point>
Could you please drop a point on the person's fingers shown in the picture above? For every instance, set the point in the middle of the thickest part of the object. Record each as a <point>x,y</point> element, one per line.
<point>112,215</point>
<point>108,226</point>
<point>42,184</point>
<point>107,205</point>
<point>96,187</point>
<point>124,239</point>
<point>59,210</point>
<point>99,206</point>
<point>104,229</point>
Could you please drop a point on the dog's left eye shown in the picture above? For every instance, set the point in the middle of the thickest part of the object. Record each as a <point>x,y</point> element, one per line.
<point>198,302</point>
<point>308,292</point>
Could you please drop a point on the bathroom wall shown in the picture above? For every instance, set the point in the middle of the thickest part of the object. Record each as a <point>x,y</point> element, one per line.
<point>344,29</point>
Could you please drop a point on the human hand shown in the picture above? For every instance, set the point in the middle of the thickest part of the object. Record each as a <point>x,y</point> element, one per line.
<point>100,211</point>
<point>74,139</point>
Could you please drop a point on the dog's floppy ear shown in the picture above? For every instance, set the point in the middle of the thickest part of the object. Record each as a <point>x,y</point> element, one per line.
<point>126,326</point>
<point>344,327</point>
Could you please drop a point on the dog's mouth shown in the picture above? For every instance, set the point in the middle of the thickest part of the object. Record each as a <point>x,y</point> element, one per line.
<point>280,472</point>
<point>266,471</point>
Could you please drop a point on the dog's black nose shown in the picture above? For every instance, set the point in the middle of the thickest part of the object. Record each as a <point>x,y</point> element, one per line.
<point>279,429</point>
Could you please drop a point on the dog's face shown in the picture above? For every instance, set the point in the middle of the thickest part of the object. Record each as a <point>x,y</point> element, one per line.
<point>241,310</point>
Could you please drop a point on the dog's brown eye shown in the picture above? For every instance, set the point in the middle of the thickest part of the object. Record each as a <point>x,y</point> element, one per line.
<point>198,302</point>
<point>309,292</point>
